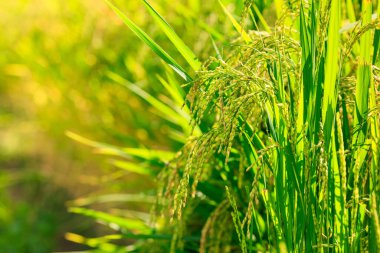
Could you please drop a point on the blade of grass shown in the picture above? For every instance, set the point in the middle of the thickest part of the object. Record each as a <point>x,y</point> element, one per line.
<point>331,72</point>
<point>237,26</point>
<point>328,119</point>
<point>360,122</point>
<point>167,112</point>
<point>140,198</point>
<point>101,243</point>
<point>132,167</point>
<point>261,18</point>
<point>364,80</point>
<point>174,38</point>
<point>121,222</point>
<point>374,237</point>
<point>150,155</point>
<point>150,42</point>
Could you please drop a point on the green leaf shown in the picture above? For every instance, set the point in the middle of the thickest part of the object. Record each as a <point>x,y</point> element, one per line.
<point>172,112</point>
<point>150,42</point>
<point>132,167</point>
<point>331,70</point>
<point>261,18</point>
<point>140,198</point>
<point>237,26</point>
<point>174,38</point>
<point>113,221</point>
<point>103,243</point>
<point>137,153</point>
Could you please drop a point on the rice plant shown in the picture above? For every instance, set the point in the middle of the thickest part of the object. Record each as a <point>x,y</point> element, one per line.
<point>280,133</point>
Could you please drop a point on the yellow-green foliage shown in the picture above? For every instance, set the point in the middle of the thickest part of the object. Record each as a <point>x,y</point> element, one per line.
<point>266,129</point>
<point>286,127</point>
<point>279,128</point>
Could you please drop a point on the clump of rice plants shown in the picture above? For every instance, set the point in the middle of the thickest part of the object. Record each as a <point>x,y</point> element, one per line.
<point>284,152</point>
<point>293,135</point>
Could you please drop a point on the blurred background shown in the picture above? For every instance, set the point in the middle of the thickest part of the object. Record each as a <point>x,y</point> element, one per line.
<point>56,63</point>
